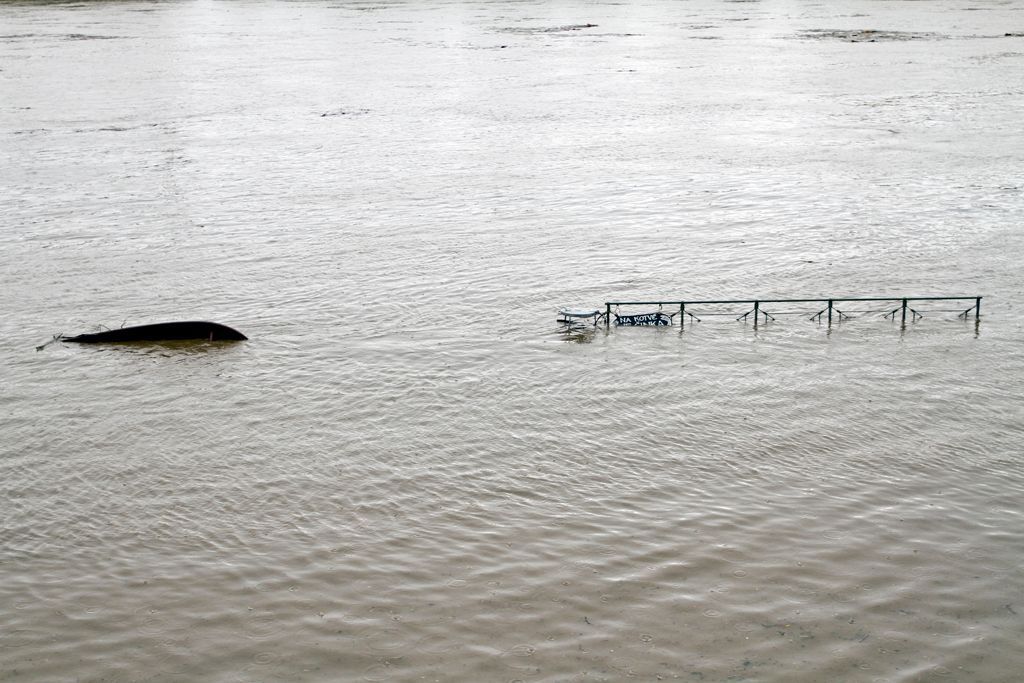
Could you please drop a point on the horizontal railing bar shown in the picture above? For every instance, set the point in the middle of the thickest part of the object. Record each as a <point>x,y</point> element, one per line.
<point>790,301</point>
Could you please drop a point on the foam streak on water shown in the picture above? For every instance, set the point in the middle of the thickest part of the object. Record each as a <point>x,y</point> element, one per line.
<point>408,473</point>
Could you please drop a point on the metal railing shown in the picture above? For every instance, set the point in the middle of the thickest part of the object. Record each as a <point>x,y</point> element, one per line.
<point>826,313</point>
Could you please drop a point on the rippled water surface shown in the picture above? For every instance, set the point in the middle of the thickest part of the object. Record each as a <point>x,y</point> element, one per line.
<point>408,473</point>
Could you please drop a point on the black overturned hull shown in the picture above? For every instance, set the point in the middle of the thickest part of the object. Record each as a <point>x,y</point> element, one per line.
<point>177,331</point>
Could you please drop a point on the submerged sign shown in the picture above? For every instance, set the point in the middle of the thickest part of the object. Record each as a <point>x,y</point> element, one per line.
<point>658,318</point>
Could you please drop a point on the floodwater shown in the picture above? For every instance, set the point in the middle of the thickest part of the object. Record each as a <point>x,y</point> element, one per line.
<point>408,473</point>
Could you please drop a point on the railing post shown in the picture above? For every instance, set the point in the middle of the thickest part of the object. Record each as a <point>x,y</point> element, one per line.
<point>903,321</point>
<point>977,309</point>
<point>830,312</point>
<point>607,314</point>
<point>682,313</point>
<point>757,305</point>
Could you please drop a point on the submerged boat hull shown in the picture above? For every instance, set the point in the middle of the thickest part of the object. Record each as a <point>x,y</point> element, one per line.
<point>174,331</point>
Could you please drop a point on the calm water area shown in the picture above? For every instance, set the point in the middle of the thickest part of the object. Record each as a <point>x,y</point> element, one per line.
<point>409,473</point>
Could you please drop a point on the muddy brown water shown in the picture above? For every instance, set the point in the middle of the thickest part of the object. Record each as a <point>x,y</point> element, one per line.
<point>408,473</point>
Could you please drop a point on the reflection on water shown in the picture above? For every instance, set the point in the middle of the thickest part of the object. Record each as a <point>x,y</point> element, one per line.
<point>167,348</point>
<point>409,471</point>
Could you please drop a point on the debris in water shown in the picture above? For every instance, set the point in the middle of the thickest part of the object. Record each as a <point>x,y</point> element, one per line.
<point>345,112</point>
<point>868,35</point>
<point>547,29</point>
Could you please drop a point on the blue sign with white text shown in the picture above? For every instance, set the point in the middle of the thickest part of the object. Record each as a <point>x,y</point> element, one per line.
<point>658,318</point>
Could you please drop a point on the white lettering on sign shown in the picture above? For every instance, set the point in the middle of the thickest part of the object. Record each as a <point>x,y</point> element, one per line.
<point>643,319</point>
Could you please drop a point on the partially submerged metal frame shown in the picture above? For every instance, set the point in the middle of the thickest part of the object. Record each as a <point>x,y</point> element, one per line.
<point>827,312</point>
